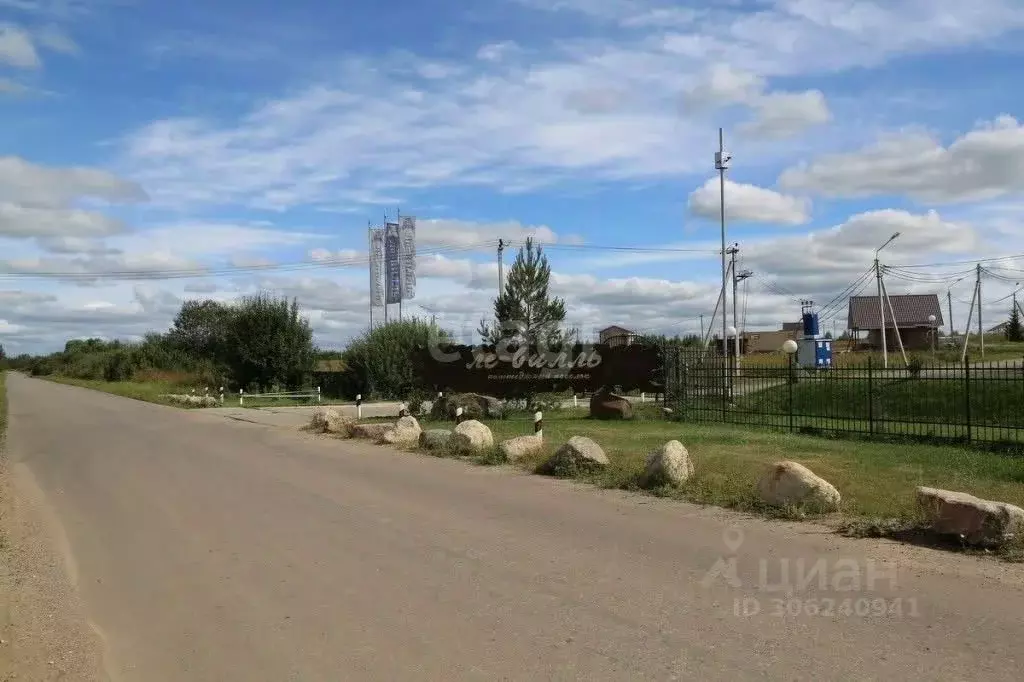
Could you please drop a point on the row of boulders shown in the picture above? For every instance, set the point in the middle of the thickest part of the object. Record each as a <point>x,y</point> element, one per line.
<point>193,400</point>
<point>783,484</point>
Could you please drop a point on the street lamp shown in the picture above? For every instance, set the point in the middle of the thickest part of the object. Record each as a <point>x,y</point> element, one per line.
<point>931,323</point>
<point>881,307</point>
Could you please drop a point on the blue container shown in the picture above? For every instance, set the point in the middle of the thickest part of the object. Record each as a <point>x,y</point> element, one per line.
<point>810,324</point>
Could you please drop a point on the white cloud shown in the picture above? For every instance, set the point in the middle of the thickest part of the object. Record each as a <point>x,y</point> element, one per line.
<point>24,221</point>
<point>582,109</point>
<point>495,52</point>
<point>12,87</point>
<point>784,114</point>
<point>16,48</point>
<point>40,186</point>
<point>986,163</point>
<point>54,38</point>
<point>749,203</point>
<point>465,233</point>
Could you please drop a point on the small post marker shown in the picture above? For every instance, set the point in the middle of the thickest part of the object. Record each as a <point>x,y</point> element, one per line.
<point>458,415</point>
<point>241,397</point>
<point>403,410</point>
<point>575,400</point>
<point>317,395</point>
<point>221,395</point>
<point>538,424</point>
<point>359,406</point>
<point>643,397</point>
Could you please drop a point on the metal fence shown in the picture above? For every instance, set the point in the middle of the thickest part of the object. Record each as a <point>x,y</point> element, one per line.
<point>980,403</point>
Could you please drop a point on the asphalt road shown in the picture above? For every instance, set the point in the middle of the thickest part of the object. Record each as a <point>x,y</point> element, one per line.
<point>206,548</point>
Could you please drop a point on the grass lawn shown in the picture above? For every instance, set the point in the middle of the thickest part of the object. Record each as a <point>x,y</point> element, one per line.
<point>150,391</point>
<point>876,479</point>
<point>153,392</point>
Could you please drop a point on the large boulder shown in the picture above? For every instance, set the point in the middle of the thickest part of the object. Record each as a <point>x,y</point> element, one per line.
<point>790,484</point>
<point>474,406</point>
<point>578,455</point>
<point>435,439</point>
<point>329,420</point>
<point>515,449</point>
<point>371,431</point>
<point>608,405</point>
<point>976,521</point>
<point>472,436</point>
<point>668,465</point>
<point>405,432</point>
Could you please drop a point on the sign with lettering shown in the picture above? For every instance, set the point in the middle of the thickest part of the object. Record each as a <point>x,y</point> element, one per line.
<point>512,372</point>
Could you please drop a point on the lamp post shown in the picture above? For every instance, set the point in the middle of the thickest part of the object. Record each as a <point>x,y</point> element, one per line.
<point>881,306</point>
<point>789,347</point>
<point>933,330</point>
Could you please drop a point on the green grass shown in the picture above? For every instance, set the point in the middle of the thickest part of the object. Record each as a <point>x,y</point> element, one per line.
<point>877,480</point>
<point>155,392</point>
<point>993,402</point>
<point>149,391</point>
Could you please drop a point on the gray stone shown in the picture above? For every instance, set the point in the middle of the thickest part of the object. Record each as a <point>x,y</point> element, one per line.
<point>435,439</point>
<point>373,431</point>
<point>579,454</point>
<point>790,484</point>
<point>472,436</point>
<point>668,465</point>
<point>405,432</point>
<point>976,521</point>
<point>515,449</point>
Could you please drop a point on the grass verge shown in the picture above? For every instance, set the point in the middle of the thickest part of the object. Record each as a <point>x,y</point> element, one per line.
<point>149,391</point>
<point>877,480</point>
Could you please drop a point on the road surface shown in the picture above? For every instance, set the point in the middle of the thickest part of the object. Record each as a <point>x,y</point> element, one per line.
<point>206,548</point>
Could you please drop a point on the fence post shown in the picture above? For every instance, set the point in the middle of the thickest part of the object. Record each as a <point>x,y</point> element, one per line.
<point>871,399</point>
<point>317,395</point>
<point>359,406</point>
<point>967,395</point>
<point>790,385</point>
<point>241,397</point>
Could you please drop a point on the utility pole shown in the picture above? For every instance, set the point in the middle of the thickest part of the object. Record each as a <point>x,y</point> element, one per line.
<point>949,303</point>
<point>732,251</point>
<point>501,266</point>
<point>721,165</point>
<point>881,305</point>
<point>702,326</point>
<point>981,330</point>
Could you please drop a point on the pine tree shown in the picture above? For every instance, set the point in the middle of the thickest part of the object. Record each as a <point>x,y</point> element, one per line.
<point>523,311</point>
<point>1014,331</point>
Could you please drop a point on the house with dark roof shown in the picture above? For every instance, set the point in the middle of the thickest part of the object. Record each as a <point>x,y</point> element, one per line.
<point>912,319</point>
<point>615,336</point>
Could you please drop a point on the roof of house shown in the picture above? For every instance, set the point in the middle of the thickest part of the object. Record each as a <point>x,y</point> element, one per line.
<point>769,341</point>
<point>912,310</point>
<point>614,329</point>
<point>325,366</point>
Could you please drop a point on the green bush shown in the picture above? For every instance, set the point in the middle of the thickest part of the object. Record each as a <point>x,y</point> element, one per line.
<point>383,358</point>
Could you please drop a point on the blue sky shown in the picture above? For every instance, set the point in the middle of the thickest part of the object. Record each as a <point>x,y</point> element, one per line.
<point>139,137</point>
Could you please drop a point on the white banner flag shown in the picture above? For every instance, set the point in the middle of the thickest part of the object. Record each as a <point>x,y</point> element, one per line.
<point>376,267</point>
<point>392,265</point>
<point>408,244</point>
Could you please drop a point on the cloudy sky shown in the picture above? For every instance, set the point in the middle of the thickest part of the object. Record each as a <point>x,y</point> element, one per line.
<point>154,151</point>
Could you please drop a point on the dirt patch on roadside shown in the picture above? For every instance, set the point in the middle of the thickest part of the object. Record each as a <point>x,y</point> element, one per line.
<point>44,633</point>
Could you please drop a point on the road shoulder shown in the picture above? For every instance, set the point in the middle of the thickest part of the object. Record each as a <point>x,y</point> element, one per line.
<point>43,627</point>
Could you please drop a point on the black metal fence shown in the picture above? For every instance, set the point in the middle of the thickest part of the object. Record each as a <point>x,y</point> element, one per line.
<point>970,402</point>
